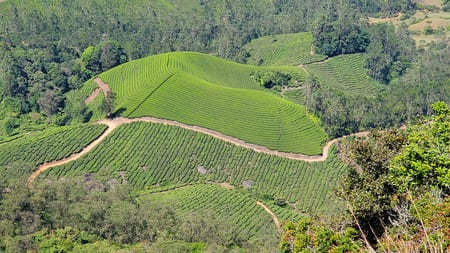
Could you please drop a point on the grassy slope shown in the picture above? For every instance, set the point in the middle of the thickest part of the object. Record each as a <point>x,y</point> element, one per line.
<point>202,90</point>
<point>232,208</point>
<point>20,156</point>
<point>283,49</point>
<point>146,154</point>
<point>346,73</point>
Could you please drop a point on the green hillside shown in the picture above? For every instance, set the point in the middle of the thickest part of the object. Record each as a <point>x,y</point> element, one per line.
<point>207,91</point>
<point>346,73</point>
<point>19,157</point>
<point>232,208</point>
<point>146,154</point>
<point>282,49</point>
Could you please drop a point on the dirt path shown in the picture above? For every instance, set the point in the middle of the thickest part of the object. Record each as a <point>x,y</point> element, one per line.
<point>383,20</point>
<point>43,167</point>
<point>116,122</point>
<point>274,217</point>
<point>102,86</point>
<point>228,186</point>
<point>91,97</point>
<point>262,149</point>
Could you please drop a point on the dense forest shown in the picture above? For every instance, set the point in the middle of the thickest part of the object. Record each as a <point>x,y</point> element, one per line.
<point>49,48</point>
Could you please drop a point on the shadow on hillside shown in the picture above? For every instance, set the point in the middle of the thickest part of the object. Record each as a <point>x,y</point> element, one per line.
<point>117,112</point>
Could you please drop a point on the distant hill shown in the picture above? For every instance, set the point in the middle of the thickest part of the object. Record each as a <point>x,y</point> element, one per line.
<point>207,91</point>
<point>346,73</point>
<point>282,49</point>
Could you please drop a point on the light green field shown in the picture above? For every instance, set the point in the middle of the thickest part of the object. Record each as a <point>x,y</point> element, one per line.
<point>233,209</point>
<point>146,154</point>
<point>282,49</point>
<point>346,73</point>
<point>206,91</point>
<point>19,157</point>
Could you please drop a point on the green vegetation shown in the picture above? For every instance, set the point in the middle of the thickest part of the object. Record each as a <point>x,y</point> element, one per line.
<point>396,192</point>
<point>203,90</point>
<point>282,49</point>
<point>145,154</point>
<point>21,156</point>
<point>346,73</point>
<point>235,209</point>
<point>84,215</point>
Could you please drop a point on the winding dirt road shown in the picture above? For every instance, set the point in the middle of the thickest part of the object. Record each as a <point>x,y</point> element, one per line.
<point>116,122</point>
<point>43,167</point>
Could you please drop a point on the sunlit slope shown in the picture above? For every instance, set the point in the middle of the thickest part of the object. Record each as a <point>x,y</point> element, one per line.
<point>282,49</point>
<point>346,73</point>
<point>198,93</point>
<point>230,208</point>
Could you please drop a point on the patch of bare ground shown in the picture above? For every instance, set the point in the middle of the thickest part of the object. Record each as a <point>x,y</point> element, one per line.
<point>383,20</point>
<point>102,86</point>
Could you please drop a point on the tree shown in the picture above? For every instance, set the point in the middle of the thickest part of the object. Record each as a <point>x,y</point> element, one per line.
<point>49,103</point>
<point>9,126</point>
<point>390,52</point>
<point>108,103</point>
<point>425,160</point>
<point>340,32</point>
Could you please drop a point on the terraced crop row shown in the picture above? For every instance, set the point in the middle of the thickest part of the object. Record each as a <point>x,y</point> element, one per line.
<point>346,73</point>
<point>24,154</point>
<point>145,154</point>
<point>232,208</point>
<point>255,117</point>
<point>207,91</point>
<point>282,49</point>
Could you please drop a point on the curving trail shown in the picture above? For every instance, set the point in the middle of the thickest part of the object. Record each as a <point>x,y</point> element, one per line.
<point>116,122</point>
<point>101,86</point>
<point>274,217</point>
<point>41,168</point>
<point>238,142</point>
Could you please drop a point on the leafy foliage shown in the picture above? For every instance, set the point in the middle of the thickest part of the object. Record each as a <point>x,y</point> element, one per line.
<point>390,53</point>
<point>425,159</point>
<point>340,32</point>
<point>307,236</point>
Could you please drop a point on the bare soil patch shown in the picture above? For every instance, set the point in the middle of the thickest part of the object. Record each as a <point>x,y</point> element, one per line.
<point>434,23</point>
<point>383,20</point>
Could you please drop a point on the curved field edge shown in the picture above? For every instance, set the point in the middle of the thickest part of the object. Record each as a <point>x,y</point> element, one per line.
<point>347,73</point>
<point>146,154</point>
<point>232,208</point>
<point>210,92</point>
<point>282,49</point>
<point>18,158</point>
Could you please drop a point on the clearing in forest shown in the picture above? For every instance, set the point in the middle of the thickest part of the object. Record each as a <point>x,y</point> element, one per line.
<point>346,73</point>
<point>282,49</point>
